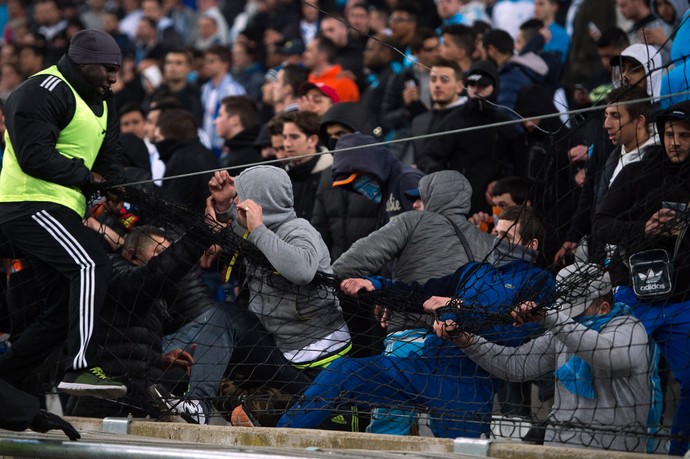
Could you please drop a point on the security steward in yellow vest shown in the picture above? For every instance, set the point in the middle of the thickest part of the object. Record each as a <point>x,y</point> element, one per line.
<point>62,140</point>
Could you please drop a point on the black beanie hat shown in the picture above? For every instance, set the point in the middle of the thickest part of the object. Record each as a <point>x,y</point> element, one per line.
<point>92,46</point>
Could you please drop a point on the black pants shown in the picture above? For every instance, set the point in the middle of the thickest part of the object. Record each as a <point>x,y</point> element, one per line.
<point>71,274</point>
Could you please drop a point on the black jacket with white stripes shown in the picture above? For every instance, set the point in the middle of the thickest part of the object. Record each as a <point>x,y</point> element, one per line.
<point>35,113</point>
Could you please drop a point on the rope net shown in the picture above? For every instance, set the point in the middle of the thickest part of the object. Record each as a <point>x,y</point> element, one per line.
<point>235,338</point>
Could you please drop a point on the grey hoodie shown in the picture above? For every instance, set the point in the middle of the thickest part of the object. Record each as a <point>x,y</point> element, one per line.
<point>423,244</point>
<point>298,313</point>
<point>619,357</point>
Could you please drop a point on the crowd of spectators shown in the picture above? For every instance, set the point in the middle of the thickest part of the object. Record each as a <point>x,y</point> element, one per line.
<point>357,101</point>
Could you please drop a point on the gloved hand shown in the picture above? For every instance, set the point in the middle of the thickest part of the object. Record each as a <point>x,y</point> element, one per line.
<point>45,421</point>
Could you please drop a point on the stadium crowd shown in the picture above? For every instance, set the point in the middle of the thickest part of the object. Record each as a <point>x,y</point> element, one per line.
<point>399,205</point>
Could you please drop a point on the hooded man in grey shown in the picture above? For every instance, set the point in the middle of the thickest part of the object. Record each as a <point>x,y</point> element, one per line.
<point>291,325</point>
<point>424,244</point>
<point>602,359</point>
<point>306,320</point>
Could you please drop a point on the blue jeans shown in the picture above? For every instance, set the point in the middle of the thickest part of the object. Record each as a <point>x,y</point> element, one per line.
<point>212,336</point>
<point>461,405</point>
<point>669,326</point>
<point>227,335</point>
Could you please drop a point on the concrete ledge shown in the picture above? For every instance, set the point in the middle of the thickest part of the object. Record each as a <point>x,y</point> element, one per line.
<point>307,438</point>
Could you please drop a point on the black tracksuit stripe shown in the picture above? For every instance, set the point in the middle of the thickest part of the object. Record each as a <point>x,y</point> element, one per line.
<point>87,265</point>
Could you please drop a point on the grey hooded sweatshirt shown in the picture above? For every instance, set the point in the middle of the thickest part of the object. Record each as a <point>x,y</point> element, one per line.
<point>423,244</point>
<point>619,356</point>
<point>305,319</point>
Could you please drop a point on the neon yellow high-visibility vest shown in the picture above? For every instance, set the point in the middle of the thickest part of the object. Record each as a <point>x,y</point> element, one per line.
<point>81,138</point>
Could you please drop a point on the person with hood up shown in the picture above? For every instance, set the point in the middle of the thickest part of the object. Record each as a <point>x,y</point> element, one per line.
<point>419,243</point>
<point>292,326</point>
<point>372,170</point>
<point>414,239</point>
<point>440,377</point>
<point>340,216</point>
<point>638,65</point>
<point>480,155</point>
<point>602,361</point>
<point>671,11</point>
<point>646,208</point>
<point>675,85</point>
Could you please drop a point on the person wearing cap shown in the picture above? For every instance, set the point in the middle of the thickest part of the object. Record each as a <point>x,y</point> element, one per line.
<point>62,147</point>
<point>340,216</point>
<point>646,208</point>
<point>317,97</point>
<point>291,51</point>
<point>458,394</point>
<point>370,169</point>
<point>479,156</point>
<point>601,356</point>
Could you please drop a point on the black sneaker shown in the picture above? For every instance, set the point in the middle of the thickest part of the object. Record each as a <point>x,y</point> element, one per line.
<point>91,382</point>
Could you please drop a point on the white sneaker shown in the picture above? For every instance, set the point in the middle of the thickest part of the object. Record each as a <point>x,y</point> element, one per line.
<point>190,410</point>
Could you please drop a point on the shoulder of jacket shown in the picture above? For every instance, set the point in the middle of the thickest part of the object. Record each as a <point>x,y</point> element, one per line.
<point>49,83</point>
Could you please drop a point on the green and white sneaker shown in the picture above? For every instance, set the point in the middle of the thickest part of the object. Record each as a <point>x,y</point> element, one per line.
<point>93,382</point>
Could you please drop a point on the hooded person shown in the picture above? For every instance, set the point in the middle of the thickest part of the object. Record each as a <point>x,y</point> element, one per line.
<point>303,318</point>
<point>350,116</point>
<point>340,216</point>
<point>371,169</point>
<point>431,241</point>
<point>637,64</point>
<point>420,240</point>
<point>676,83</point>
<point>602,360</point>
<point>481,155</point>
<point>671,11</point>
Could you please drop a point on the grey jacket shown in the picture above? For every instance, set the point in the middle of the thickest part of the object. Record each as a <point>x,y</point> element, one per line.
<point>619,356</point>
<point>298,313</point>
<point>423,244</point>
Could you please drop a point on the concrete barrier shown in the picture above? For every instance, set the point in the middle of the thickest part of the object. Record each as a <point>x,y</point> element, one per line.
<point>329,440</point>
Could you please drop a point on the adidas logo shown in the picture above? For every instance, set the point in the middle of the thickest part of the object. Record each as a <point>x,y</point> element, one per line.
<point>339,419</point>
<point>651,276</point>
